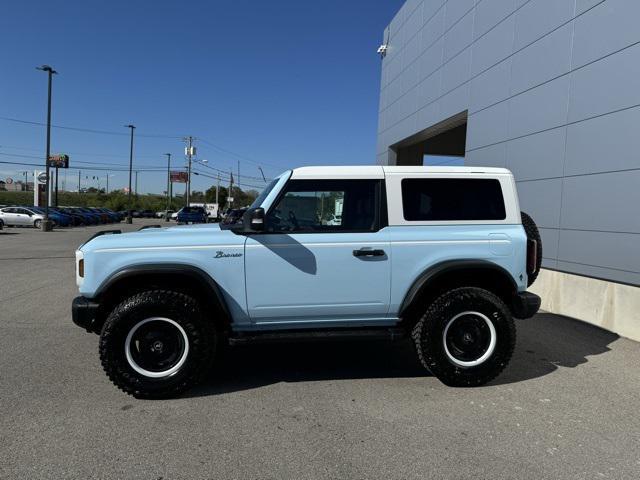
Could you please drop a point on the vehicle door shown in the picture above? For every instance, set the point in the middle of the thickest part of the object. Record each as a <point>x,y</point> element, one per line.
<point>9,216</point>
<point>309,267</point>
<point>23,216</point>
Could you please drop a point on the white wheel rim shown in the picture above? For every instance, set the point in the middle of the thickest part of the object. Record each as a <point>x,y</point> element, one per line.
<point>148,373</point>
<point>485,355</point>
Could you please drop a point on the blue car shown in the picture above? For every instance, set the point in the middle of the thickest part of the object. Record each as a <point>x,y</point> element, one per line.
<point>60,219</point>
<point>192,215</point>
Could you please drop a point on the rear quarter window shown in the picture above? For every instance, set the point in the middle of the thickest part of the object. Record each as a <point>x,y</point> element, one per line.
<point>450,199</point>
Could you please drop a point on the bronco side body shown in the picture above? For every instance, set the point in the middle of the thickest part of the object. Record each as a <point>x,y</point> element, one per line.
<point>442,254</point>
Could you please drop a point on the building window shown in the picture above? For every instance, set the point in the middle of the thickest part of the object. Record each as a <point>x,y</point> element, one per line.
<point>446,199</point>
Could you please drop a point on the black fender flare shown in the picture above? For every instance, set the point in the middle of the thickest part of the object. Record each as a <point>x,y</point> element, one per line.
<point>431,275</point>
<point>202,277</point>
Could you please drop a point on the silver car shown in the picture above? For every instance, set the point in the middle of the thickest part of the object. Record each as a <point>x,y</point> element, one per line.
<point>20,217</point>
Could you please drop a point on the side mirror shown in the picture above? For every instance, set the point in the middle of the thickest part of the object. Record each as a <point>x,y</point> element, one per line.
<point>254,219</point>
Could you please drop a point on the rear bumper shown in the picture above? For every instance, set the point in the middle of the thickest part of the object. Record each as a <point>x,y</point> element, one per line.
<point>525,305</point>
<point>84,313</point>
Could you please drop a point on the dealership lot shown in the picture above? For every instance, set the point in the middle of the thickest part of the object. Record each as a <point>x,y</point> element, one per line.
<point>566,407</point>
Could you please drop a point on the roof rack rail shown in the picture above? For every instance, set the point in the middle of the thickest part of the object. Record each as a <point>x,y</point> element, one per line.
<point>103,232</point>
<point>149,226</point>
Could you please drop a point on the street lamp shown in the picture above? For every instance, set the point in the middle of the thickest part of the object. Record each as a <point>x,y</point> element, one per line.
<point>168,184</point>
<point>46,223</point>
<point>129,218</point>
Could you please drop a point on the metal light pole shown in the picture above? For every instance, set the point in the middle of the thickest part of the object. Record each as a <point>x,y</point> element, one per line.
<point>129,218</point>
<point>56,196</point>
<point>168,183</point>
<point>46,223</point>
<point>189,155</point>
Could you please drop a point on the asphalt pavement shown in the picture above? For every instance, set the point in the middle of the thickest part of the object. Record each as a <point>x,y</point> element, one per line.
<point>565,408</point>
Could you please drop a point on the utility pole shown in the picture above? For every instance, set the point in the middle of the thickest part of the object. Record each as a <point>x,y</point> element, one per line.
<point>46,223</point>
<point>26,184</point>
<point>218,193</point>
<point>129,218</point>
<point>136,190</point>
<point>230,186</point>
<point>107,182</point>
<point>79,172</point>
<point>168,182</point>
<point>56,186</point>
<point>189,155</point>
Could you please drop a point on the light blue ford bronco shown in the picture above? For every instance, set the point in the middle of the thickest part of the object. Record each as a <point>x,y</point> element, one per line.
<point>441,255</point>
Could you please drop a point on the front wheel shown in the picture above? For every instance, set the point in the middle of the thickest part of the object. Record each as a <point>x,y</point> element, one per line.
<point>157,344</point>
<point>37,224</point>
<point>466,337</point>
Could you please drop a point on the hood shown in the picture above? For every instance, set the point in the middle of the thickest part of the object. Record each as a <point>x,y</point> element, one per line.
<point>165,237</point>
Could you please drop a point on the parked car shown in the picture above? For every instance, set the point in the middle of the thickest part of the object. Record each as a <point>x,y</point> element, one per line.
<point>89,218</point>
<point>95,217</point>
<point>113,216</point>
<point>147,214</point>
<point>21,217</point>
<point>74,219</point>
<point>192,215</point>
<point>59,219</point>
<point>453,239</point>
<point>164,213</point>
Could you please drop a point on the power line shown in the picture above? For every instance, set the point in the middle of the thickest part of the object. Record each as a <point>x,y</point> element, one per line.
<point>93,154</point>
<point>237,155</point>
<point>87,130</point>
<point>202,174</point>
<point>106,169</point>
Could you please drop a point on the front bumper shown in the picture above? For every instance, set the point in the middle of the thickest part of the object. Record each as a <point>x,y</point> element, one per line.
<point>525,305</point>
<point>84,313</point>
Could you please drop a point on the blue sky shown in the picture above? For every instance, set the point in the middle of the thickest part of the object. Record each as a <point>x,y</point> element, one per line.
<point>282,83</point>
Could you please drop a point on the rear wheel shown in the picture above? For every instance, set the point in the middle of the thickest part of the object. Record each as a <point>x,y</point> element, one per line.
<point>466,337</point>
<point>157,344</point>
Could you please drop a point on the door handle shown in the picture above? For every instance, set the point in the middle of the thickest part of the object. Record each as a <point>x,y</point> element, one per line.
<point>367,252</point>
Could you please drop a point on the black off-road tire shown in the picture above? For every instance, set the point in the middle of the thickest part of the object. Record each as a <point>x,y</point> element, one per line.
<point>532,232</point>
<point>428,336</point>
<point>182,309</point>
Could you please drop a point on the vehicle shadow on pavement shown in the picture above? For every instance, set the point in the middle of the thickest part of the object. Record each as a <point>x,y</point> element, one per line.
<point>545,343</point>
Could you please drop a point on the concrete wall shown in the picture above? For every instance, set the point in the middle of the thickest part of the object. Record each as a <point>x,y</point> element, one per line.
<point>552,91</point>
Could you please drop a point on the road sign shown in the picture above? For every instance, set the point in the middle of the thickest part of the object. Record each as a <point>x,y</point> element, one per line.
<point>9,181</point>
<point>178,177</point>
<point>230,199</point>
<point>42,177</point>
<point>59,161</point>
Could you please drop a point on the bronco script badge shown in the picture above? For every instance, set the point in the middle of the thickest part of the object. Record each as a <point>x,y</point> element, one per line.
<point>220,254</point>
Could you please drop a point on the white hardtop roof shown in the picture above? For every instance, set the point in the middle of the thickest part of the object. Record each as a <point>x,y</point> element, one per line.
<point>379,171</point>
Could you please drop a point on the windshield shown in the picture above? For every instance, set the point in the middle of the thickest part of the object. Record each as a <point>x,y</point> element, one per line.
<point>265,193</point>
<point>260,198</point>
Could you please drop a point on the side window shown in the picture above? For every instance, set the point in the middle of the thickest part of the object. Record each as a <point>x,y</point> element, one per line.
<point>443,199</point>
<point>326,206</point>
